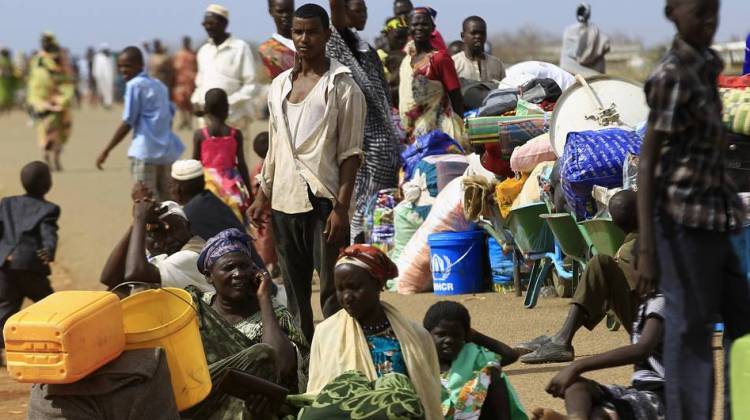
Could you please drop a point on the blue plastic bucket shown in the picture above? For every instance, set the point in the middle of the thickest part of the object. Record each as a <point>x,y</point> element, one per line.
<point>457,262</point>
<point>500,262</point>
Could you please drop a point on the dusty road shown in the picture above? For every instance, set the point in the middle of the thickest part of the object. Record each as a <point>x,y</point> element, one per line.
<point>96,212</point>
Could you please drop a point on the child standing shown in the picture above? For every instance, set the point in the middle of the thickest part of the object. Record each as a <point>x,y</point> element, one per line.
<point>219,147</point>
<point>28,241</point>
<point>687,210</point>
<point>263,234</point>
<point>149,113</point>
<point>471,367</point>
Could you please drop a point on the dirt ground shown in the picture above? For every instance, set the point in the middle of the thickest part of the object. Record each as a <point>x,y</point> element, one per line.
<point>96,212</point>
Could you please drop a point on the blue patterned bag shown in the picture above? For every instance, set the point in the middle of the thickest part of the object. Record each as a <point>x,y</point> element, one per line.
<point>594,158</point>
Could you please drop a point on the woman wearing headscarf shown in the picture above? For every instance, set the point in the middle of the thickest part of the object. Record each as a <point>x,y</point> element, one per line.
<point>368,360</point>
<point>51,89</point>
<point>381,145</point>
<point>429,91</point>
<point>242,326</point>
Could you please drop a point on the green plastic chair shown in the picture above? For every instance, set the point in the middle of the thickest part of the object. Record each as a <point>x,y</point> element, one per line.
<point>573,245</point>
<point>534,240</point>
<point>602,236</point>
<point>739,378</point>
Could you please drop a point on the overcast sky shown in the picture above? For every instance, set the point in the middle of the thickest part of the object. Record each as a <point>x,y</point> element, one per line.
<point>80,23</point>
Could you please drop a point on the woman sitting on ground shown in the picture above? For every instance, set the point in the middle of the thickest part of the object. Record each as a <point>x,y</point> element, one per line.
<point>470,365</point>
<point>370,341</point>
<point>241,326</point>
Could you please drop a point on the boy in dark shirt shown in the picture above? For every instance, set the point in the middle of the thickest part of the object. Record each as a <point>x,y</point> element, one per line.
<point>28,241</point>
<point>687,209</point>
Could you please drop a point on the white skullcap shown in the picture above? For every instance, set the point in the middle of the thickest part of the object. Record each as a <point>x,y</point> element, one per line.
<point>218,9</point>
<point>171,208</point>
<point>185,170</point>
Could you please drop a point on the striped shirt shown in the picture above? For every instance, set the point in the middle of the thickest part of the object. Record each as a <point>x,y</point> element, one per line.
<point>692,184</point>
<point>652,369</point>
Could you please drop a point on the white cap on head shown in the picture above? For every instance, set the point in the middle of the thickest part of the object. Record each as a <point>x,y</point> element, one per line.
<point>171,208</point>
<point>185,170</point>
<point>218,9</point>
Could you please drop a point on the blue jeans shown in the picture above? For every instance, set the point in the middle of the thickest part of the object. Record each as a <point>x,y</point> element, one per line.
<point>702,282</point>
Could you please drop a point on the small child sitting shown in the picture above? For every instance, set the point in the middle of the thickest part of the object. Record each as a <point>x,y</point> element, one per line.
<point>28,241</point>
<point>470,365</point>
<point>643,400</point>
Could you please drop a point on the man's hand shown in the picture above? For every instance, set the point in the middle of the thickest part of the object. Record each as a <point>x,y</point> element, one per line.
<point>143,209</point>
<point>564,379</point>
<point>141,192</point>
<point>647,265</point>
<point>101,159</point>
<point>337,226</point>
<point>256,210</point>
<point>44,255</point>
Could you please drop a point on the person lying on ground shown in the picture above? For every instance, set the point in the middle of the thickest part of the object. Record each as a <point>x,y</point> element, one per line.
<point>643,400</point>
<point>148,111</point>
<point>28,242</point>
<point>158,248</point>
<point>470,365</point>
<point>607,284</point>
<point>242,326</point>
<point>369,341</point>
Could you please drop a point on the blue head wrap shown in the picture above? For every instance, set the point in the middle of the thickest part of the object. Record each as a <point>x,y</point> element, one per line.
<point>226,242</point>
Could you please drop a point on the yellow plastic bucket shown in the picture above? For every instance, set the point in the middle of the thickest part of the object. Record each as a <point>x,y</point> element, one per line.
<point>167,318</point>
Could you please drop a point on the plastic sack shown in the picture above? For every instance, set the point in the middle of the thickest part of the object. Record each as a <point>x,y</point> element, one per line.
<point>501,262</point>
<point>736,110</point>
<point>630,172</point>
<point>507,191</point>
<point>433,143</point>
<point>532,190</point>
<point>526,157</point>
<point>594,158</point>
<point>447,215</point>
<point>379,229</point>
<point>407,218</point>
<point>525,108</point>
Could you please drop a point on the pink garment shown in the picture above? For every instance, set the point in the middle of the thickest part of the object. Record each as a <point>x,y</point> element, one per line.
<point>219,158</point>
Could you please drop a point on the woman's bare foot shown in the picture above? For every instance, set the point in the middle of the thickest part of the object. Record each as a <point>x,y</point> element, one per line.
<point>547,414</point>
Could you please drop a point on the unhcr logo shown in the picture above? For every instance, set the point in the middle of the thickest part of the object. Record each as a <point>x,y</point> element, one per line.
<point>441,268</point>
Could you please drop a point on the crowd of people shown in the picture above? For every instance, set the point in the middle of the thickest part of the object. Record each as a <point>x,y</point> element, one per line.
<point>340,111</point>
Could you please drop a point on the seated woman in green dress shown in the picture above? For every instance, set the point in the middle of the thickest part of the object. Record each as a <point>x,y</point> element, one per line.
<point>474,386</point>
<point>368,360</point>
<point>242,327</point>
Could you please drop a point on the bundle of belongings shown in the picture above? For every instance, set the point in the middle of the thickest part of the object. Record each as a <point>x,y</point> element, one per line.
<point>735,95</point>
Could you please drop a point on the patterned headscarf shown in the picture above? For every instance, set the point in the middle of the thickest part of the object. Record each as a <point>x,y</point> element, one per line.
<point>226,242</point>
<point>429,11</point>
<point>398,22</point>
<point>372,259</point>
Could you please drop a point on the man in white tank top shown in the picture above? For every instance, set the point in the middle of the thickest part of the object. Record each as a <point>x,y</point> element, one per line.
<point>316,129</point>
